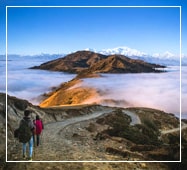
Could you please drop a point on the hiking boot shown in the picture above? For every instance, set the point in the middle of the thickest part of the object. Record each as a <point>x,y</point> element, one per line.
<point>30,159</point>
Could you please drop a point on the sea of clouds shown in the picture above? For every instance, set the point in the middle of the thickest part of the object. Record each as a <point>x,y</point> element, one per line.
<point>155,90</point>
<point>26,83</point>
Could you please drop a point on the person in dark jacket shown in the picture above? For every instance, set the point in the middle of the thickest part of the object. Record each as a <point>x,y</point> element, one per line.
<point>38,129</point>
<point>30,124</point>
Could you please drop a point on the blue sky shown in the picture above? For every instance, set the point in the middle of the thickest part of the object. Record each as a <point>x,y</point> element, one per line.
<point>62,30</point>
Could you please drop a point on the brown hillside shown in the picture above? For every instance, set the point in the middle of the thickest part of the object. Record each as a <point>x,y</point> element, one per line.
<point>122,64</point>
<point>90,62</point>
<point>72,63</point>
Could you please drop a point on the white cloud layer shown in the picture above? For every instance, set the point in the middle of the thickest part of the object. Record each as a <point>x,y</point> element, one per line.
<point>159,91</point>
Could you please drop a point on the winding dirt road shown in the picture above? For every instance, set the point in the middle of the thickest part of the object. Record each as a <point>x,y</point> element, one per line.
<point>61,140</point>
<point>58,126</point>
<point>57,137</point>
<point>183,126</point>
<point>134,117</point>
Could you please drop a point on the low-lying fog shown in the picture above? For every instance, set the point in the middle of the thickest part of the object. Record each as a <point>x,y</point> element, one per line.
<point>155,90</point>
<point>27,83</point>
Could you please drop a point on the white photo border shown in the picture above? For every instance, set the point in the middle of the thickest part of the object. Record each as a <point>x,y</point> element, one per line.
<point>180,7</point>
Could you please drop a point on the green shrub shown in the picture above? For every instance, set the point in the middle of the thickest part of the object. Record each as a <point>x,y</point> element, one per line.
<point>150,124</point>
<point>145,133</point>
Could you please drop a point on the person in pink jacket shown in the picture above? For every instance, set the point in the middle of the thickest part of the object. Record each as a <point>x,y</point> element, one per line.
<point>38,129</point>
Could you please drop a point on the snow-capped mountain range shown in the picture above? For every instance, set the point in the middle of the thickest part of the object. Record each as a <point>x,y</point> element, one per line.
<point>167,58</point>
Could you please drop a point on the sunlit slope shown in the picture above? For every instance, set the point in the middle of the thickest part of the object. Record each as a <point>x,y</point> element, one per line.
<point>68,94</point>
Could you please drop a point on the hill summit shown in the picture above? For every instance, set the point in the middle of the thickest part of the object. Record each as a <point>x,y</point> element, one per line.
<point>91,62</point>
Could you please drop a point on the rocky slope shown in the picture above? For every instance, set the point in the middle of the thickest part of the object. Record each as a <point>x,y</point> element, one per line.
<point>94,132</point>
<point>90,62</point>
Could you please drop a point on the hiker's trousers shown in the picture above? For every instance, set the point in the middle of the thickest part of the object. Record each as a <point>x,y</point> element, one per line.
<point>30,147</point>
<point>36,139</point>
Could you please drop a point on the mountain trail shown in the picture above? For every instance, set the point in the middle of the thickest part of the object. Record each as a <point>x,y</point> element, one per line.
<point>61,140</point>
<point>134,117</point>
<point>183,126</point>
<point>57,143</point>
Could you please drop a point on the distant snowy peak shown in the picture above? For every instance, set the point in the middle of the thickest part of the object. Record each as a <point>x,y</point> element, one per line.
<point>123,51</point>
<point>90,49</point>
<point>130,52</point>
<point>166,58</point>
<point>166,55</point>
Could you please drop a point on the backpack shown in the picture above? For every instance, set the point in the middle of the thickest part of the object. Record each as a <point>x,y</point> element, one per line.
<point>25,133</point>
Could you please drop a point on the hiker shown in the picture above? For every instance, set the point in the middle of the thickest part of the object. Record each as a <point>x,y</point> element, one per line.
<point>38,129</point>
<point>26,129</point>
